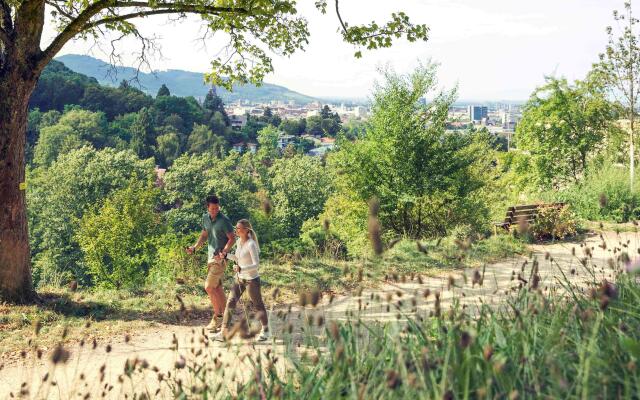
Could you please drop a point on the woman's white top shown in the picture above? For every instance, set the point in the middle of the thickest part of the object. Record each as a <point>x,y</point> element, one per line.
<point>248,259</point>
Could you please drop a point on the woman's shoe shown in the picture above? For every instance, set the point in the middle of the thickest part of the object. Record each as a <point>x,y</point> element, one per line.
<point>219,336</point>
<point>263,336</point>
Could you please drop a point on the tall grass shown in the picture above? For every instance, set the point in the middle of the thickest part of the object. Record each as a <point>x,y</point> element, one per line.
<point>569,342</point>
<point>603,195</point>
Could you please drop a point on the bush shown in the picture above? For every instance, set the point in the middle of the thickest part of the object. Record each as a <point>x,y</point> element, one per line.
<point>173,264</point>
<point>285,249</point>
<point>604,194</point>
<point>118,239</point>
<point>59,196</point>
<point>462,231</point>
<point>323,240</point>
<point>553,223</point>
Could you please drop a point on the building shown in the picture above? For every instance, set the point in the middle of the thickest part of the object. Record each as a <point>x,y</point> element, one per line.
<point>284,140</point>
<point>477,113</point>
<point>238,147</point>
<point>325,144</point>
<point>509,120</point>
<point>238,121</point>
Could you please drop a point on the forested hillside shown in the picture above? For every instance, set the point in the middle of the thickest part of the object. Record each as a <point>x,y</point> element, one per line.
<point>181,83</point>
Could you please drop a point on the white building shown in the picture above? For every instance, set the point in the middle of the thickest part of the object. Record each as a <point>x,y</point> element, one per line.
<point>284,140</point>
<point>238,121</point>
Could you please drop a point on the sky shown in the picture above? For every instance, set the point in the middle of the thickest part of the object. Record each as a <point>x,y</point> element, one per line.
<point>491,49</point>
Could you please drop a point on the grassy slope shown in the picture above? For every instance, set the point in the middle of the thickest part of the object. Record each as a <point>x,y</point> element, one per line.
<point>116,312</point>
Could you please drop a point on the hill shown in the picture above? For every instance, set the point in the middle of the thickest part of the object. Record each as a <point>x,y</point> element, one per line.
<point>180,83</point>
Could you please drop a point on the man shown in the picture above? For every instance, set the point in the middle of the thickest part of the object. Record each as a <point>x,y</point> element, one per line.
<point>217,230</point>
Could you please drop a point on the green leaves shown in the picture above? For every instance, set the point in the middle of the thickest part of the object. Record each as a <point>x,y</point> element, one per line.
<point>300,186</point>
<point>61,194</point>
<point>563,127</point>
<point>374,36</point>
<point>117,238</point>
<point>427,180</point>
<point>252,29</point>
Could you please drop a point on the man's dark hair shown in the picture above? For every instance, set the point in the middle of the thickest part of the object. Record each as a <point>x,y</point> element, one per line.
<point>213,199</point>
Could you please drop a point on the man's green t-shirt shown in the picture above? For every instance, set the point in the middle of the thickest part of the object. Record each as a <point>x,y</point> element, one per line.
<point>217,231</point>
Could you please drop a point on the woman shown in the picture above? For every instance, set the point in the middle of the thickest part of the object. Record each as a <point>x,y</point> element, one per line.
<point>247,261</point>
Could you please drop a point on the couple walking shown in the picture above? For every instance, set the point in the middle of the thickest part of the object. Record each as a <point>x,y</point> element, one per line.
<point>218,232</point>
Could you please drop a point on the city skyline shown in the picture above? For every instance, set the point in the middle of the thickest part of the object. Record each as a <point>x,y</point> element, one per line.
<point>492,50</point>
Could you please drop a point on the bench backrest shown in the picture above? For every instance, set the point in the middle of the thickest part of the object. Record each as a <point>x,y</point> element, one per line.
<point>527,212</point>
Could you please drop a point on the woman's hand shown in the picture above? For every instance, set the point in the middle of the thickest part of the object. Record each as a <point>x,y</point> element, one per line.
<point>236,268</point>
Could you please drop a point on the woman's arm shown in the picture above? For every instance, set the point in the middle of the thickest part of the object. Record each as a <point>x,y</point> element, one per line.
<point>255,258</point>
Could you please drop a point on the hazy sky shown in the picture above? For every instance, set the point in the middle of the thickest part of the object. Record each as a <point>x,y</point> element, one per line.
<point>493,49</point>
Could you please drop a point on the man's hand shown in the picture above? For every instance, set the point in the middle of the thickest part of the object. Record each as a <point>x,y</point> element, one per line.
<point>236,269</point>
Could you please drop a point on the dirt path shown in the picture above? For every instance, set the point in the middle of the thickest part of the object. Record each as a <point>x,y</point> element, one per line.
<point>94,370</point>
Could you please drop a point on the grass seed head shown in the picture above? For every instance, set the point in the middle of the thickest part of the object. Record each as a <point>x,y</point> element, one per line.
<point>334,330</point>
<point>314,297</point>
<point>267,208</point>
<point>393,380</point>
<point>181,362</point>
<point>603,200</point>
<point>60,355</point>
<point>487,352</point>
<point>37,326</point>
<point>465,339</point>
<point>339,354</point>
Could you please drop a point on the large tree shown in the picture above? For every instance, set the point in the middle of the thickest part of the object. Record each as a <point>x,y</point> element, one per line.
<point>251,26</point>
<point>563,126</point>
<point>427,180</point>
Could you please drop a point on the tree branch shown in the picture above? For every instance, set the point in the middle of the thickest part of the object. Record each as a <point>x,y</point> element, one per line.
<point>74,27</point>
<point>344,26</point>
<point>82,21</point>
<point>55,5</point>
<point>118,18</point>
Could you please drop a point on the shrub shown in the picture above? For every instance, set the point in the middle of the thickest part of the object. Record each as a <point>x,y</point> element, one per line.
<point>323,240</point>
<point>118,239</point>
<point>285,249</point>
<point>173,264</point>
<point>61,195</point>
<point>553,223</point>
<point>604,194</point>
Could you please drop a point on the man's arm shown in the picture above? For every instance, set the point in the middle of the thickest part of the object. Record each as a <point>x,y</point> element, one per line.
<point>199,243</point>
<point>231,240</point>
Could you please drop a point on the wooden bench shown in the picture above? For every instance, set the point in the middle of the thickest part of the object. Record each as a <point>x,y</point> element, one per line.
<point>523,214</point>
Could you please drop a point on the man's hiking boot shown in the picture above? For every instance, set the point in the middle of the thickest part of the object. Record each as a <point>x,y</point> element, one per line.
<point>215,324</point>
<point>263,336</point>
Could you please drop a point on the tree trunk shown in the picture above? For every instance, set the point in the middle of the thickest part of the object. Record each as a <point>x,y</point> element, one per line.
<point>15,264</point>
<point>632,158</point>
<point>22,65</point>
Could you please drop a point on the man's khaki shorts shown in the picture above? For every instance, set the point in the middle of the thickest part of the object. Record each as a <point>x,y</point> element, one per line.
<point>215,273</point>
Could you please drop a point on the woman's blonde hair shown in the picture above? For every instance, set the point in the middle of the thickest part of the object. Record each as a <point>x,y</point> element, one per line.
<point>247,225</point>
